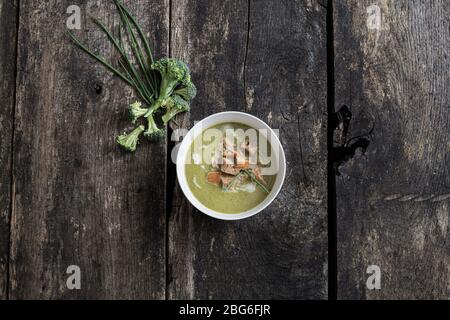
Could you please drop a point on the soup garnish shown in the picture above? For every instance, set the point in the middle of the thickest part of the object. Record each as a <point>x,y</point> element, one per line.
<point>232,166</point>
<point>226,172</point>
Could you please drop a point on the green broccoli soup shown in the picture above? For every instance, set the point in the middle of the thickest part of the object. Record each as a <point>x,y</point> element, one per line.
<point>228,168</point>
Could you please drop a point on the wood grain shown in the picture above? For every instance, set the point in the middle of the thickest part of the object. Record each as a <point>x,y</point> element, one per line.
<point>8,36</point>
<point>267,58</point>
<point>78,198</point>
<point>393,201</point>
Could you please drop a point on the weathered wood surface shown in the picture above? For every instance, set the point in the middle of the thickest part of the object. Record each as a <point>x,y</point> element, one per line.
<point>267,58</point>
<point>77,198</point>
<point>393,201</point>
<point>8,27</point>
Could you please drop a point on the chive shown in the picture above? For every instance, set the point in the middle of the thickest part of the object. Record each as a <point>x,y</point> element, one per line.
<point>232,181</point>
<point>135,47</point>
<point>139,75</point>
<point>123,53</point>
<point>146,100</point>
<point>143,39</point>
<point>252,176</point>
<point>141,33</point>
<point>98,58</point>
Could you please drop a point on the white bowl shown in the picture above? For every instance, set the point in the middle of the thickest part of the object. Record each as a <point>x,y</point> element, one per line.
<point>222,117</point>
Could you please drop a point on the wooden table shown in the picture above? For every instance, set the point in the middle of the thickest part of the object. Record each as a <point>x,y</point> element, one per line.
<point>70,196</point>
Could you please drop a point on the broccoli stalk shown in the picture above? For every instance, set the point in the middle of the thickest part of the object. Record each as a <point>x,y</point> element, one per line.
<point>174,73</point>
<point>175,77</point>
<point>175,105</point>
<point>136,111</point>
<point>129,141</point>
<point>153,132</point>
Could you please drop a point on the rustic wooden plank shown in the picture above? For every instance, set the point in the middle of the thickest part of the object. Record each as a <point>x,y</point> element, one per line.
<point>8,36</point>
<point>393,201</point>
<point>267,58</point>
<point>78,198</point>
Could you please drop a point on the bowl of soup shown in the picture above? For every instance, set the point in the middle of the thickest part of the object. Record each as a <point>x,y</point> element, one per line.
<point>231,165</point>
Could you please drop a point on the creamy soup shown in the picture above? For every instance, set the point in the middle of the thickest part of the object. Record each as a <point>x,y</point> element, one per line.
<point>227,168</point>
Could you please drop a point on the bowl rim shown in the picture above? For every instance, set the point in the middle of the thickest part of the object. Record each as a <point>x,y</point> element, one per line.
<point>181,177</point>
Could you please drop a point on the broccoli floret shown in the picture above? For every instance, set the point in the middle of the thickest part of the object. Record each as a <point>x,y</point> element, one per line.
<point>173,72</point>
<point>153,132</point>
<point>187,80</point>
<point>136,111</point>
<point>188,92</point>
<point>175,105</point>
<point>129,141</point>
